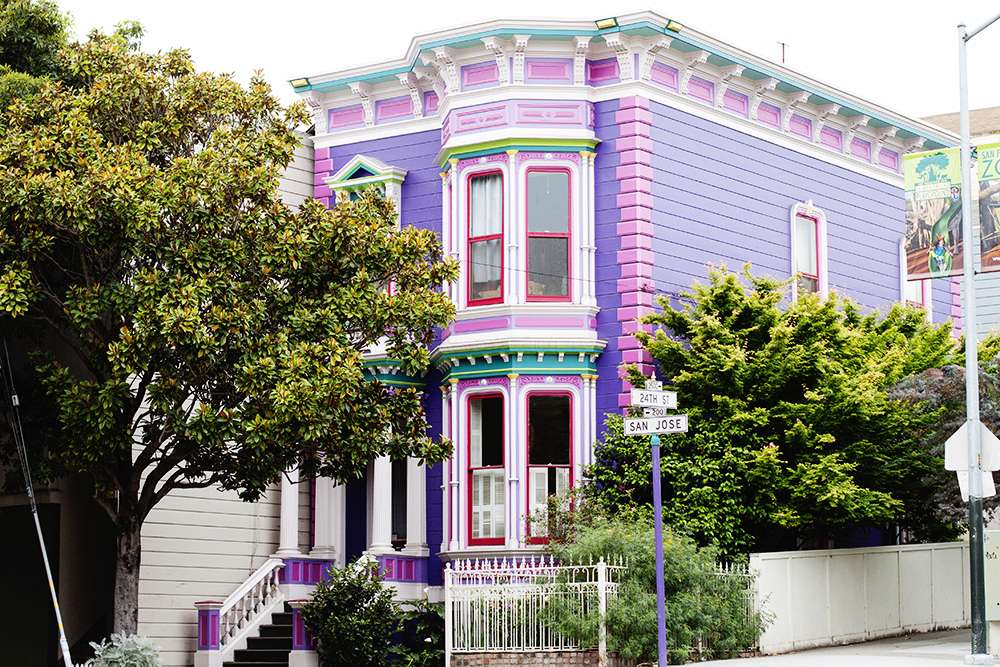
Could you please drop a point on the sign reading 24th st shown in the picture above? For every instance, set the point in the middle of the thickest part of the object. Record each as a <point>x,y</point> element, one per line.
<point>652,398</point>
<point>647,426</point>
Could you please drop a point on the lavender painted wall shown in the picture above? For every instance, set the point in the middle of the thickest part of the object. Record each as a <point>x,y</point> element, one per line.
<point>723,196</point>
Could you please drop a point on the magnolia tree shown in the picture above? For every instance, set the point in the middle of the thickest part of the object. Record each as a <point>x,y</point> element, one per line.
<point>190,329</point>
<point>795,438</point>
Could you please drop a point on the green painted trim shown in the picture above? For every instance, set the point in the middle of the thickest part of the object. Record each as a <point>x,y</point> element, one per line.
<point>492,372</point>
<point>501,145</point>
<point>508,349</point>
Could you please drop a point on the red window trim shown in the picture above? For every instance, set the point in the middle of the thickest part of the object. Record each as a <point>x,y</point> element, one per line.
<point>815,222</point>
<point>483,541</point>
<point>527,452</point>
<point>488,237</point>
<point>568,235</point>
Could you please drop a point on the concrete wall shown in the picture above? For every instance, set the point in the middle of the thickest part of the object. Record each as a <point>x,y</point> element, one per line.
<point>840,596</point>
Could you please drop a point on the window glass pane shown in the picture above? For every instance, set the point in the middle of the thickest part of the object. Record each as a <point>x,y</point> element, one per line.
<point>548,266</point>
<point>486,210</point>
<point>485,270</point>
<point>548,430</point>
<point>807,285</point>
<point>915,292</point>
<point>548,201</point>
<point>486,431</point>
<point>805,245</point>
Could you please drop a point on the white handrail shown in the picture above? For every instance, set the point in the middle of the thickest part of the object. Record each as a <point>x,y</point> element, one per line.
<point>255,596</point>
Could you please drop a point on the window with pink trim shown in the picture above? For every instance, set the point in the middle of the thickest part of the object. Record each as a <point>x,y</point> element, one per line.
<point>487,483</point>
<point>485,251</point>
<point>550,437</point>
<point>915,293</point>
<point>806,254</point>
<point>548,221</point>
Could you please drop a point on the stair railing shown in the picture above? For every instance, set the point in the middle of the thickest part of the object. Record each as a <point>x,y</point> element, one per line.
<point>224,625</point>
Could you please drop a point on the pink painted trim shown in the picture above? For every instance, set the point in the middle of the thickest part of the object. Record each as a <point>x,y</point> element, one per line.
<point>392,108</point>
<point>350,116</point>
<point>635,185</point>
<point>485,324</point>
<point>635,213</point>
<point>548,70</point>
<point>568,235</point>
<point>665,75</point>
<point>633,101</point>
<point>832,138</point>
<point>888,158</point>
<point>635,156</point>
<point>633,142</point>
<point>643,227</point>
<point>430,102</point>
<point>769,114</point>
<point>626,199</point>
<point>480,75</point>
<point>633,171</point>
<point>736,102</point>
<point>633,241</point>
<point>524,156</point>
<point>469,469</point>
<point>633,129</point>
<point>634,114</point>
<point>324,165</point>
<point>473,383</point>
<point>322,191</point>
<point>321,153</point>
<point>861,148</point>
<point>636,270</point>
<point>554,321</point>
<point>602,72</point>
<point>479,117</point>
<point>570,114</point>
<point>801,126</point>
<point>701,89</point>
<point>488,159</point>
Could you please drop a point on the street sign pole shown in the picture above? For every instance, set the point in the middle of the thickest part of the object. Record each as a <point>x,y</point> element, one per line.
<point>661,589</point>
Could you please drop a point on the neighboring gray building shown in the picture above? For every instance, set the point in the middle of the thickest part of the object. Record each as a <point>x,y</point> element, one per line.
<point>985,128</point>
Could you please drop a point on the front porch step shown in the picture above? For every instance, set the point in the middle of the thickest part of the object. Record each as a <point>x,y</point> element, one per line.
<point>271,647</point>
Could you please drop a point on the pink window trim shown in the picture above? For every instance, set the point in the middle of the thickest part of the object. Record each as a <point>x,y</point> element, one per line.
<point>483,541</point>
<point>488,237</point>
<point>527,449</point>
<point>568,235</point>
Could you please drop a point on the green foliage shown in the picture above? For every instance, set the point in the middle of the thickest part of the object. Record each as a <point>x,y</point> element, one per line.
<point>352,616</point>
<point>192,330</point>
<point>700,604</point>
<point>124,651</point>
<point>31,34</point>
<point>421,634</point>
<point>794,439</point>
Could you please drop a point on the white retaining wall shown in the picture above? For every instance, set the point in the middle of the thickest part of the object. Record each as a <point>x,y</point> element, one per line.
<point>839,596</point>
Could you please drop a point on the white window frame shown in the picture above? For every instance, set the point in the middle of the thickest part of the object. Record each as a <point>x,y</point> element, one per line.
<point>926,293</point>
<point>808,209</point>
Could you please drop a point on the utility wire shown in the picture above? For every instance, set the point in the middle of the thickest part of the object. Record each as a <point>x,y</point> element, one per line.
<point>14,420</point>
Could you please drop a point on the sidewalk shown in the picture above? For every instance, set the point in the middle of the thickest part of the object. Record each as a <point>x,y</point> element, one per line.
<point>934,649</point>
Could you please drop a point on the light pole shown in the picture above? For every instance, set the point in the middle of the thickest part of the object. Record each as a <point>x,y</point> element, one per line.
<point>661,589</point>
<point>980,651</point>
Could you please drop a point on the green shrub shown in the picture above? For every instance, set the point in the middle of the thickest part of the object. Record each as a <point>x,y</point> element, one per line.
<point>353,617</point>
<point>124,651</point>
<point>702,608</point>
<point>421,635</point>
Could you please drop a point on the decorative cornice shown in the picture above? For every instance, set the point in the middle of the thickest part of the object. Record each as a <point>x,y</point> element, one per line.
<point>654,49</point>
<point>363,92</point>
<point>727,74</point>
<point>410,82</point>
<point>520,45</point>
<point>495,47</point>
<point>580,60</point>
<point>619,44</point>
<point>691,60</point>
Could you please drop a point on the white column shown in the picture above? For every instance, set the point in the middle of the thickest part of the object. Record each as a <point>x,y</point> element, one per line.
<point>456,459</point>
<point>514,278</point>
<point>288,535</point>
<point>592,416</point>
<point>590,252</point>
<point>381,506</point>
<point>455,237</point>
<point>583,419</point>
<point>416,508</point>
<point>446,223</point>
<point>330,525</point>
<point>445,471</point>
<point>515,445</point>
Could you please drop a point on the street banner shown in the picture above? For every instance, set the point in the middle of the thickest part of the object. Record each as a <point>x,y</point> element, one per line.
<point>933,183</point>
<point>988,168</point>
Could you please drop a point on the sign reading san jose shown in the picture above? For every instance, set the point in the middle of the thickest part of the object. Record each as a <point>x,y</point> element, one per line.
<point>650,425</point>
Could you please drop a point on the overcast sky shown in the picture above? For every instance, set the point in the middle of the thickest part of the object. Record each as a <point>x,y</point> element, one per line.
<point>900,54</point>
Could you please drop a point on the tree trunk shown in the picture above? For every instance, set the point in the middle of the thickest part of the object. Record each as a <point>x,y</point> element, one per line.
<point>126,601</point>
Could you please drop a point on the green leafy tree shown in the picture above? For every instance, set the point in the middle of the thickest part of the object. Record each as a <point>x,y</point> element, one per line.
<point>191,330</point>
<point>794,438</point>
<point>31,34</point>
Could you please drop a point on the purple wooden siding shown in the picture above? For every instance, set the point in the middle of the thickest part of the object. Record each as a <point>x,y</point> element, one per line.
<point>723,196</point>
<point>432,406</point>
<point>606,261</point>
<point>413,152</point>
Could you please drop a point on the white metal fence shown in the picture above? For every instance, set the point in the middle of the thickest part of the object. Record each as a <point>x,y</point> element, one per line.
<point>497,606</point>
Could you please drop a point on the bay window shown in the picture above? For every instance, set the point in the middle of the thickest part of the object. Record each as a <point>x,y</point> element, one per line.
<point>487,483</point>
<point>485,251</point>
<point>805,259</point>
<point>548,222</point>
<point>549,460</point>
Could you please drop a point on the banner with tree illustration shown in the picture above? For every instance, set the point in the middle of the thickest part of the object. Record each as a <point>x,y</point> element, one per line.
<point>988,168</point>
<point>933,213</point>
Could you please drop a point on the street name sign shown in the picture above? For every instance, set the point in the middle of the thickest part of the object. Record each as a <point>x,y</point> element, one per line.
<point>652,398</point>
<point>650,425</point>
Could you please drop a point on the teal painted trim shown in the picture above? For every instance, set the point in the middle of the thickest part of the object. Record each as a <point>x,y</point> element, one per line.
<point>936,140</point>
<point>529,364</point>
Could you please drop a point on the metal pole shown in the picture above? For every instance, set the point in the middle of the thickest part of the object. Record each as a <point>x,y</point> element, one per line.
<point>978,601</point>
<point>661,592</point>
<point>14,418</point>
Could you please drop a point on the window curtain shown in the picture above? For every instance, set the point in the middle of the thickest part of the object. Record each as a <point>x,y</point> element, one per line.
<point>487,205</point>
